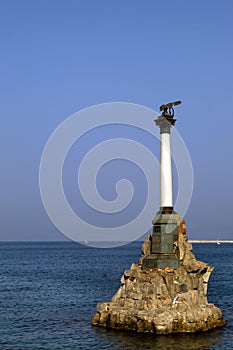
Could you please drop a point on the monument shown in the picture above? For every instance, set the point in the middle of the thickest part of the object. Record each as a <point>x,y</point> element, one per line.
<point>165,224</point>
<point>165,292</point>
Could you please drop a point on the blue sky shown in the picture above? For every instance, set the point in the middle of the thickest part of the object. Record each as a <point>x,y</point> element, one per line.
<point>58,57</point>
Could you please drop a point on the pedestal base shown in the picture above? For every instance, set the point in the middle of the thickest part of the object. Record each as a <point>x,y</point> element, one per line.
<point>164,240</point>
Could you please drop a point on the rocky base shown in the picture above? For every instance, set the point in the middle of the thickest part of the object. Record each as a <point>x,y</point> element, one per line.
<point>160,300</point>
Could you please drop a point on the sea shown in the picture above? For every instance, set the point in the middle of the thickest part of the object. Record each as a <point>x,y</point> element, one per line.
<point>49,293</point>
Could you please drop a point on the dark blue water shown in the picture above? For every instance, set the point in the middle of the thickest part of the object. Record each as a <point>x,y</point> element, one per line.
<point>49,293</point>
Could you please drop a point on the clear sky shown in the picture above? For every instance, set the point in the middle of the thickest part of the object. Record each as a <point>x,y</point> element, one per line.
<point>58,57</point>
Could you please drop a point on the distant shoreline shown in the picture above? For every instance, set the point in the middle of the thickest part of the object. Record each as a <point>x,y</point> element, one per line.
<point>110,242</point>
<point>210,241</point>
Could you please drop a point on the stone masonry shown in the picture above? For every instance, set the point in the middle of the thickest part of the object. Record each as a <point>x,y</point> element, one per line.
<point>165,300</point>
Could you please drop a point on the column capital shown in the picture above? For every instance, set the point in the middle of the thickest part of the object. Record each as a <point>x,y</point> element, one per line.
<point>165,122</point>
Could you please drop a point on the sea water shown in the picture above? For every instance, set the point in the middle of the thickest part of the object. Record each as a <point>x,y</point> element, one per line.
<point>49,293</point>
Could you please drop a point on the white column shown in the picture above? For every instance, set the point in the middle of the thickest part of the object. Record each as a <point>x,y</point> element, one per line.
<point>165,171</point>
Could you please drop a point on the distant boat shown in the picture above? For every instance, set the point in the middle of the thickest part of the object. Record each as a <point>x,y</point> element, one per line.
<point>218,242</point>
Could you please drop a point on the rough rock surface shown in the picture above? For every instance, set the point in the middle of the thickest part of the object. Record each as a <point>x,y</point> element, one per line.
<point>162,300</point>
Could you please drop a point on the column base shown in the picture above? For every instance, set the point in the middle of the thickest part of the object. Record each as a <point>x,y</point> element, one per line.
<point>167,210</point>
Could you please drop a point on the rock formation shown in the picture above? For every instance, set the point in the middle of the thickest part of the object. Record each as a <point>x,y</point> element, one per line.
<point>162,300</point>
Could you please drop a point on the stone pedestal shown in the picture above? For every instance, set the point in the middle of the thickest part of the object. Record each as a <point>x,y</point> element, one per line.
<point>164,240</point>
<point>162,300</point>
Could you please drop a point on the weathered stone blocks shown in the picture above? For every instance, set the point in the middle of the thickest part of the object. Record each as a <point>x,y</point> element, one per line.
<point>162,300</point>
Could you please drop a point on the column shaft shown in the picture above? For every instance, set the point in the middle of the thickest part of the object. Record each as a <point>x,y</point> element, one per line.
<point>165,171</point>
